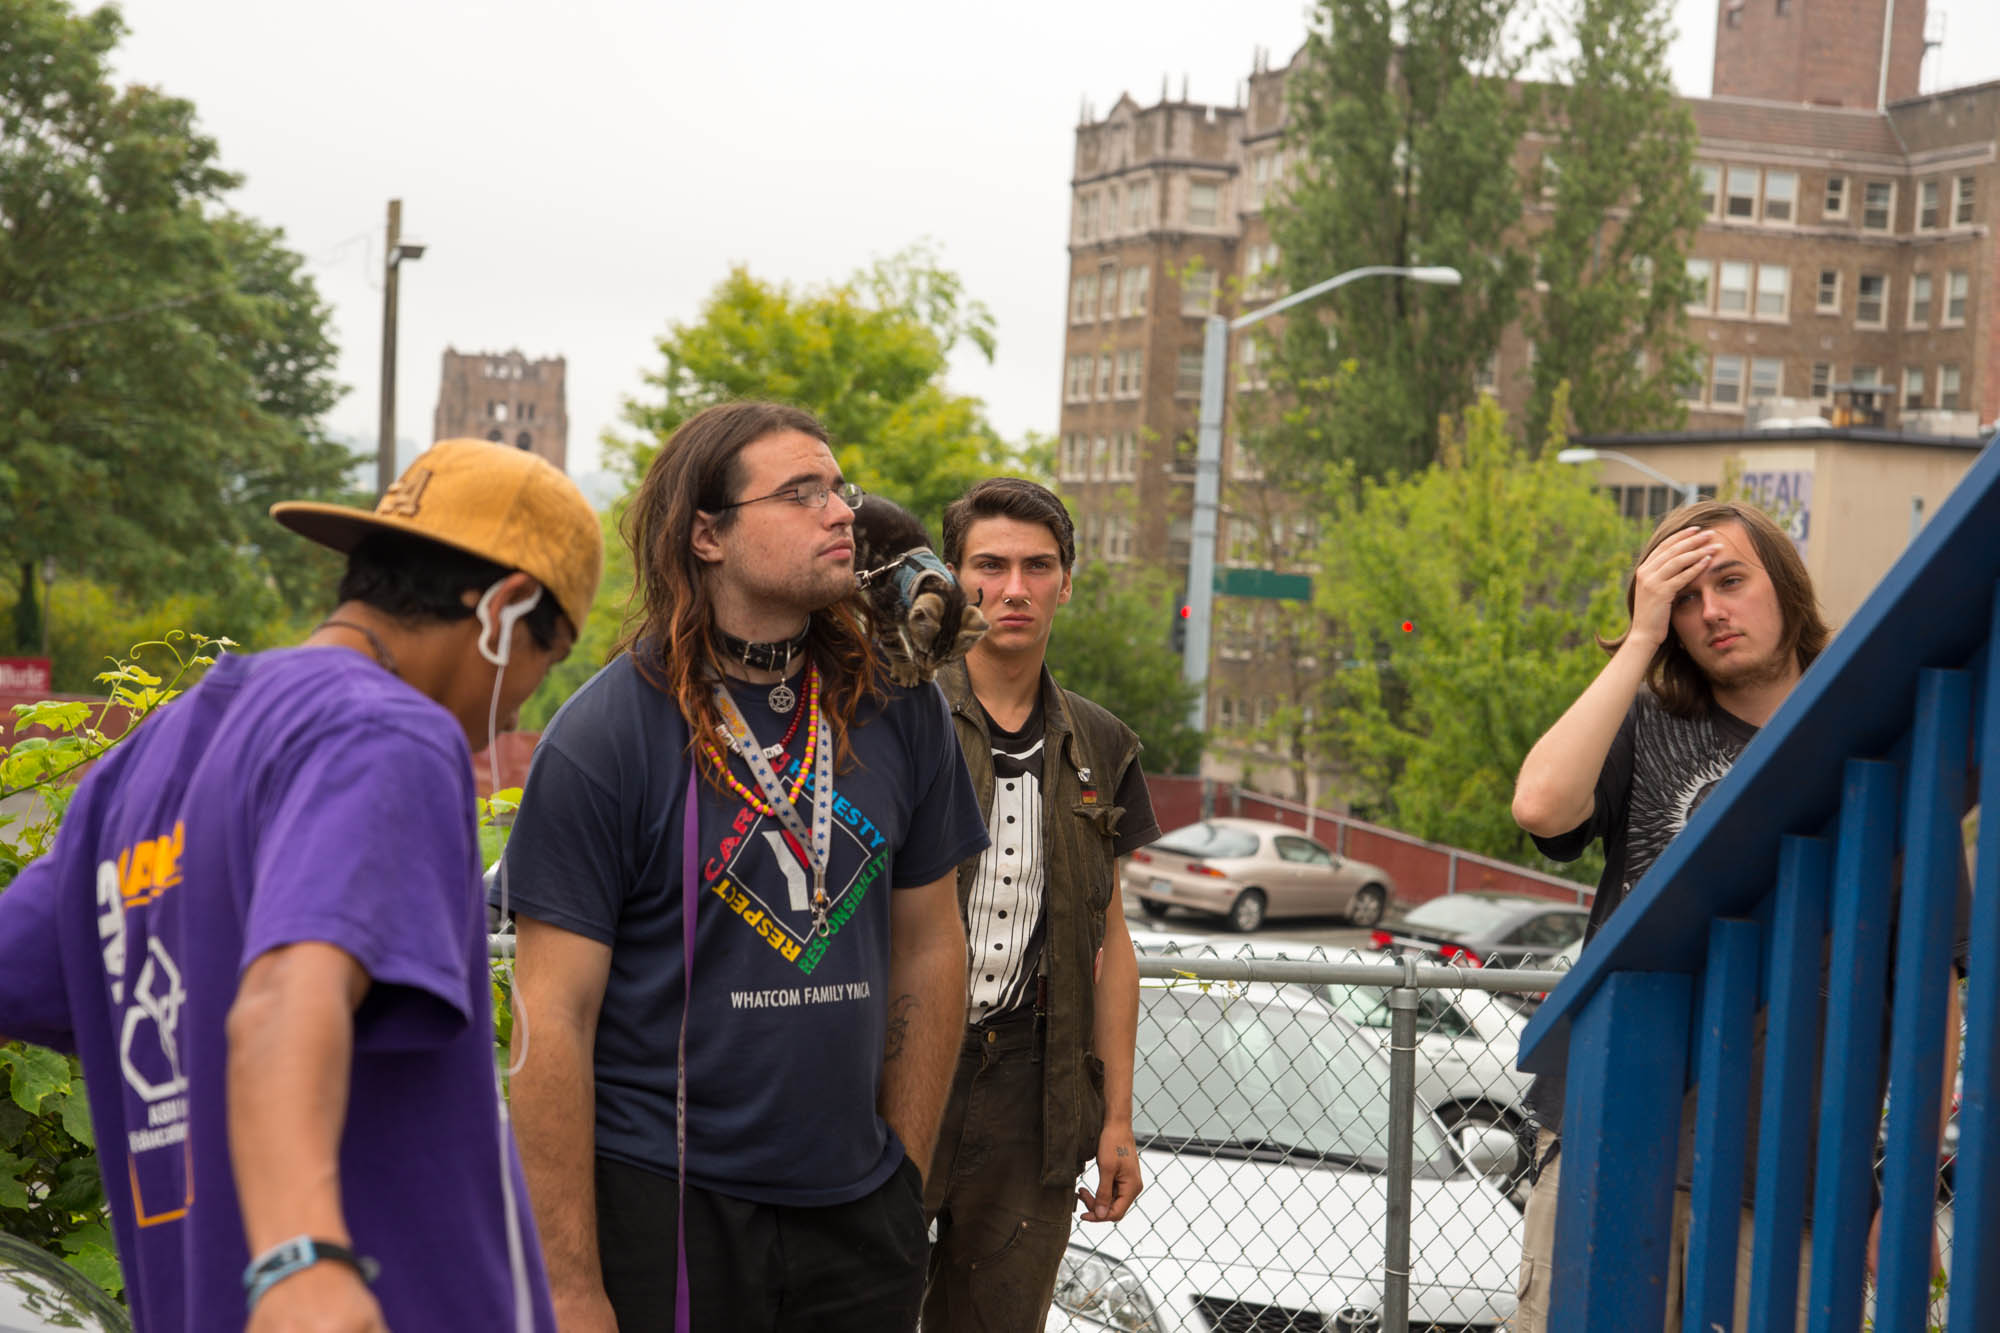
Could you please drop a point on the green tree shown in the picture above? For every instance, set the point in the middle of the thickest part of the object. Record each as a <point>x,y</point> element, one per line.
<point>1505,568</point>
<point>1110,645</point>
<point>1405,125</point>
<point>867,356</point>
<point>163,362</point>
<point>1613,322</point>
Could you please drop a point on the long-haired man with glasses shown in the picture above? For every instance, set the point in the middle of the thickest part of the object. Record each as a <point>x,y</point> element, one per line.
<point>789,962</point>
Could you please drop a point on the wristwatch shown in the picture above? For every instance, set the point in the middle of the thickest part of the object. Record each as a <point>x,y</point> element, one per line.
<point>296,1255</point>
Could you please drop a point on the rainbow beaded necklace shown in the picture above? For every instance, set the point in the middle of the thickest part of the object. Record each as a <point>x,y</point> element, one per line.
<point>798,784</point>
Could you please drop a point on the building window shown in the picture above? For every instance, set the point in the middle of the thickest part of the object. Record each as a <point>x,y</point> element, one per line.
<point>1107,292</point>
<point>1929,212</point>
<point>1104,376</point>
<point>1865,377</point>
<point>1870,299</point>
<point>1187,373</point>
<point>1948,388</point>
<point>1735,297</point>
<point>1957,284</point>
<point>1767,377</point>
<point>1111,211</point>
<point>1204,204</point>
<point>1250,373</point>
<point>1086,216</point>
<point>1961,205</point>
<point>1198,293</point>
<point>1701,285</point>
<point>1878,203</point>
<point>1781,194</point>
<point>1920,298</point>
<point>527,412</point>
<point>1486,375</point>
<point>1835,203</point>
<point>494,436</point>
<point>524,441</point>
<point>1742,200</point>
<point>1774,285</point>
<point>1082,299</point>
<point>496,411</point>
<point>1708,184</point>
<point>1822,379</point>
<point>1100,458</point>
<point>1690,388</point>
<point>1726,389</point>
<point>1131,367</point>
<point>1077,385</point>
<point>1133,285</point>
<point>1913,386</point>
<point>1139,206</point>
<point>1828,300</point>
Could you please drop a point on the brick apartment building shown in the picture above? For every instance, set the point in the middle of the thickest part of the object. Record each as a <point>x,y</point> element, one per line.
<point>1850,239</point>
<point>506,398</point>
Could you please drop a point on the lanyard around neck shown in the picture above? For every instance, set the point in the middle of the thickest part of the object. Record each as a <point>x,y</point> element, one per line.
<point>816,844</point>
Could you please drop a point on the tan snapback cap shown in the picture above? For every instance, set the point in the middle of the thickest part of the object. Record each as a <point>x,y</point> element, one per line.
<point>501,504</point>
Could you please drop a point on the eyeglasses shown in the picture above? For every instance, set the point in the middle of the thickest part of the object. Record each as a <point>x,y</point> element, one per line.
<point>810,496</point>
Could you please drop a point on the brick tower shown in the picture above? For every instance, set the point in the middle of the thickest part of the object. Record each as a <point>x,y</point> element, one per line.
<point>1824,52</point>
<point>506,398</point>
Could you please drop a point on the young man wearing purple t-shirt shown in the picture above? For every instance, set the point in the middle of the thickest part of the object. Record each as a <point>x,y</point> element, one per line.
<point>261,928</point>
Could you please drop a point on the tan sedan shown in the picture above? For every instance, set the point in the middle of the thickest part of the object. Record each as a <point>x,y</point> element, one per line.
<point>1248,869</point>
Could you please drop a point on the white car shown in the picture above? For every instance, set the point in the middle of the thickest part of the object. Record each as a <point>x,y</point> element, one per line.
<point>1467,1044</point>
<point>1262,1123</point>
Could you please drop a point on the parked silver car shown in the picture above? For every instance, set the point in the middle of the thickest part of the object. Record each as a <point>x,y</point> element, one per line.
<point>1247,870</point>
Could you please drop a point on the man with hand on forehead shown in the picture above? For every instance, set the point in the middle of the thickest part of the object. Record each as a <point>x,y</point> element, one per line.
<point>1724,623</point>
<point>261,928</point>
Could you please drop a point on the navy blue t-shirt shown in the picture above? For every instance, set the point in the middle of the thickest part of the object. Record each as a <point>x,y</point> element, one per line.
<point>786,1032</point>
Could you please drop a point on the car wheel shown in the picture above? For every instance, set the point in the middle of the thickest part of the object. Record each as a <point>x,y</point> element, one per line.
<point>1366,907</point>
<point>1510,1176</point>
<point>1247,912</point>
<point>1153,909</point>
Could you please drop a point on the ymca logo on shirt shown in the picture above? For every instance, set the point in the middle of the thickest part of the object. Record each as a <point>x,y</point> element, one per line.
<point>766,877</point>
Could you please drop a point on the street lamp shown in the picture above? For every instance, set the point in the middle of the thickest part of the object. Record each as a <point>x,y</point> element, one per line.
<point>1208,459</point>
<point>1689,492</point>
<point>394,253</point>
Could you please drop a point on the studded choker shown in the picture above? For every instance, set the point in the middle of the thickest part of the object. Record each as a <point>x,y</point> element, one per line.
<point>763,656</point>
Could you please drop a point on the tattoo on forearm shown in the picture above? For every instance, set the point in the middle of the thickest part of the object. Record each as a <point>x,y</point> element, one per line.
<point>1123,1151</point>
<point>900,1010</point>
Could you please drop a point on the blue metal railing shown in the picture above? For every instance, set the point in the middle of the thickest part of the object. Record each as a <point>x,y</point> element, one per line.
<point>1788,873</point>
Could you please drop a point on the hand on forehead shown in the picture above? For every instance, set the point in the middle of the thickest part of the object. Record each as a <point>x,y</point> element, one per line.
<point>1735,542</point>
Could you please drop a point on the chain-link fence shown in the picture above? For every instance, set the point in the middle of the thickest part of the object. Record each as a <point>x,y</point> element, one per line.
<point>1332,1142</point>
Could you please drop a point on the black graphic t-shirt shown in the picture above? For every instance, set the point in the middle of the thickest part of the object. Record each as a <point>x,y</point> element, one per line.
<point>1659,771</point>
<point>785,1035</point>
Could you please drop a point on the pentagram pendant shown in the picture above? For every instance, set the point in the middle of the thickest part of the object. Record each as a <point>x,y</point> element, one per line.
<point>781,698</point>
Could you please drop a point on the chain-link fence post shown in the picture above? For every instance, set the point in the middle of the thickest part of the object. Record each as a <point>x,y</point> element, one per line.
<point>1402,1128</point>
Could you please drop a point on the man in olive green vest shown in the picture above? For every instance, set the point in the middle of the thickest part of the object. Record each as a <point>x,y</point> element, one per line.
<point>1044,1079</point>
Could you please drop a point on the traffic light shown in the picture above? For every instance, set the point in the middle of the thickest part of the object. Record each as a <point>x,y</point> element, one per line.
<point>1177,635</point>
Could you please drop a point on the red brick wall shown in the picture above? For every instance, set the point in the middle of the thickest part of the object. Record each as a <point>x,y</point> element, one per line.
<point>1824,51</point>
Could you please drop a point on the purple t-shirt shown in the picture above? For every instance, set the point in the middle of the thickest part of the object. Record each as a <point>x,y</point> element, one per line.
<point>297,795</point>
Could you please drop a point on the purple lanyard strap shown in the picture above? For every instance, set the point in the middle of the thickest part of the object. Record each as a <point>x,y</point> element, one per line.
<point>690,836</point>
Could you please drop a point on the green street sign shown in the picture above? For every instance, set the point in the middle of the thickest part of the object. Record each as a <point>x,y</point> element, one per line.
<point>1264,583</point>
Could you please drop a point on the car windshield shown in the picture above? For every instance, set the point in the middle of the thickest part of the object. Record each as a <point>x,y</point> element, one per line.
<point>1218,1069</point>
<point>1462,914</point>
<point>1207,839</point>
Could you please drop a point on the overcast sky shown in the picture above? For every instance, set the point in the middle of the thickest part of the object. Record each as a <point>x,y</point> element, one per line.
<point>585,173</point>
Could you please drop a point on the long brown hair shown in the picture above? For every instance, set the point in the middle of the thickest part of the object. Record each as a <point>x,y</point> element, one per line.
<point>1682,688</point>
<point>672,639</point>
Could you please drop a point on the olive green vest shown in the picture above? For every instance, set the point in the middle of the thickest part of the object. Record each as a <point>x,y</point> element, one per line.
<point>1085,754</point>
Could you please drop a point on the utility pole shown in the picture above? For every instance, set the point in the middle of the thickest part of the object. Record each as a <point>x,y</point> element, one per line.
<point>394,252</point>
<point>385,430</point>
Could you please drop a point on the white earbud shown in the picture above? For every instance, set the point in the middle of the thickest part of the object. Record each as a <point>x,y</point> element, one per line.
<point>509,615</point>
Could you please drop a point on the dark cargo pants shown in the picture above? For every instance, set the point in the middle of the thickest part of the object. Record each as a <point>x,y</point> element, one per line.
<point>1000,1232</point>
